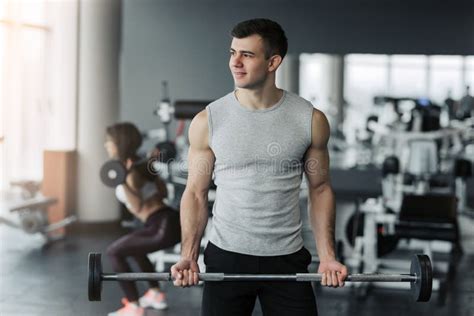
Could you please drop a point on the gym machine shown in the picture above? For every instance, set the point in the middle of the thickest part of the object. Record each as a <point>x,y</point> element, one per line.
<point>404,218</point>
<point>32,208</point>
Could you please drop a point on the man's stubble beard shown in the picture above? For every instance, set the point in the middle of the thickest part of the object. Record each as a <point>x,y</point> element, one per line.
<point>253,85</point>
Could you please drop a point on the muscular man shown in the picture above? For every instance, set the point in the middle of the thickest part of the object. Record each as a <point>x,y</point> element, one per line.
<point>258,141</point>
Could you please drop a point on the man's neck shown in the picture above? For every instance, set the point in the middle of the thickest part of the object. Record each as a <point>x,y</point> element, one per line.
<point>259,99</point>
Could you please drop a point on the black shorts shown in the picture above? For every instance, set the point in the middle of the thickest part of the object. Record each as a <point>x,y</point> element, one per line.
<point>276,297</point>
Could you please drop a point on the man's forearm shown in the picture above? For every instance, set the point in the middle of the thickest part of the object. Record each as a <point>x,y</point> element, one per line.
<point>323,216</point>
<point>194,216</point>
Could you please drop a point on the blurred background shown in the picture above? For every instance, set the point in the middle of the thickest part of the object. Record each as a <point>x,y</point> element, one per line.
<point>394,78</point>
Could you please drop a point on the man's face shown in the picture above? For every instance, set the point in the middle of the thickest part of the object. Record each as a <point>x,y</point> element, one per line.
<point>247,62</point>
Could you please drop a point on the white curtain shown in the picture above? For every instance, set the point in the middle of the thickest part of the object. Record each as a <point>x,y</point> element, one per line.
<point>38,44</point>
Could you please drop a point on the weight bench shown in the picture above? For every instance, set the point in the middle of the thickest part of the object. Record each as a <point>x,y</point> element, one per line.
<point>432,218</point>
<point>429,221</point>
<point>428,217</point>
<point>33,217</point>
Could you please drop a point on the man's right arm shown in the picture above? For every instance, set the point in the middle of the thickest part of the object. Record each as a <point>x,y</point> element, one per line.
<point>194,204</point>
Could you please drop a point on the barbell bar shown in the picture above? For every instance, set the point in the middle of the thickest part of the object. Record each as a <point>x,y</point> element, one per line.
<point>420,277</point>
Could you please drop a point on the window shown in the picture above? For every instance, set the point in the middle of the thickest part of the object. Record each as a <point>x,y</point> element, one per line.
<point>311,78</point>
<point>2,107</point>
<point>23,90</point>
<point>408,76</point>
<point>38,47</point>
<point>469,73</point>
<point>366,76</point>
<point>445,78</point>
<point>319,83</point>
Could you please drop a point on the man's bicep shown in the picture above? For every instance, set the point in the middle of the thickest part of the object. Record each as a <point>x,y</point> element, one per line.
<point>200,156</point>
<point>316,167</point>
<point>200,167</point>
<point>317,155</point>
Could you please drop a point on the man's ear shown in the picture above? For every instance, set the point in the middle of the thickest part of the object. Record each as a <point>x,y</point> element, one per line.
<point>274,62</point>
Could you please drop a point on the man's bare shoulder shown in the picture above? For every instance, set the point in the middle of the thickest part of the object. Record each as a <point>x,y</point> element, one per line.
<point>320,129</point>
<point>199,131</point>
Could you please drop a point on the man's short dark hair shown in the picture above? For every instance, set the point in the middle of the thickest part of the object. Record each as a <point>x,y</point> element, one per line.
<point>273,36</point>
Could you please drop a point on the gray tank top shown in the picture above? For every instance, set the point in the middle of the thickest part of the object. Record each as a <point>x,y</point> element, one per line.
<point>258,172</point>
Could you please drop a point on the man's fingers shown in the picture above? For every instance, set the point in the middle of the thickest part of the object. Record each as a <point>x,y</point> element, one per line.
<point>191,278</point>
<point>332,278</point>
<point>340,279</point>
<point>185,273</point>
<point>335,282</point>
<point>176,275</point>
<point>185,278</point>
<point>175,272</point>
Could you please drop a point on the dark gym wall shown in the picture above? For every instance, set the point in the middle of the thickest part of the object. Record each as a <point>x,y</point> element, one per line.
<point>186,42</point>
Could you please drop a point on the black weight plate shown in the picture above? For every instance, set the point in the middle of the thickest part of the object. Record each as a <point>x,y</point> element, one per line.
<point>427,277</point>
<point>421,267</point>
<point>98,275</point>
<point>90,279</point>
<point>113,173</point>
<point>94,277</point>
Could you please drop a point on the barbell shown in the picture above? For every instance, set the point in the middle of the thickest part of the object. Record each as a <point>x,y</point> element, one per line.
<point>420,277</point>
<point>114,173</point>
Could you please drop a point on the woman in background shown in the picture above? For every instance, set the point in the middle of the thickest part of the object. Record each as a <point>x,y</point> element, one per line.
<point>142,193</point>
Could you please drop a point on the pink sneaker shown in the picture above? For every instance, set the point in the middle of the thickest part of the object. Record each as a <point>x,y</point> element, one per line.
<point>154,299</point>
<point>129,309</point>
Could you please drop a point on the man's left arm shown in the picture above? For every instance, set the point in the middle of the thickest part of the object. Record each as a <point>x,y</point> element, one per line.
<point>322,202</point>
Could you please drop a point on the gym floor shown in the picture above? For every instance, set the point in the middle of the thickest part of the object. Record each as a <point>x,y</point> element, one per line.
<point>52,280</point>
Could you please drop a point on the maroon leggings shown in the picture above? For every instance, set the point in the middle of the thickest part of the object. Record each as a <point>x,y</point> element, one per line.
<point>162,230</point>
